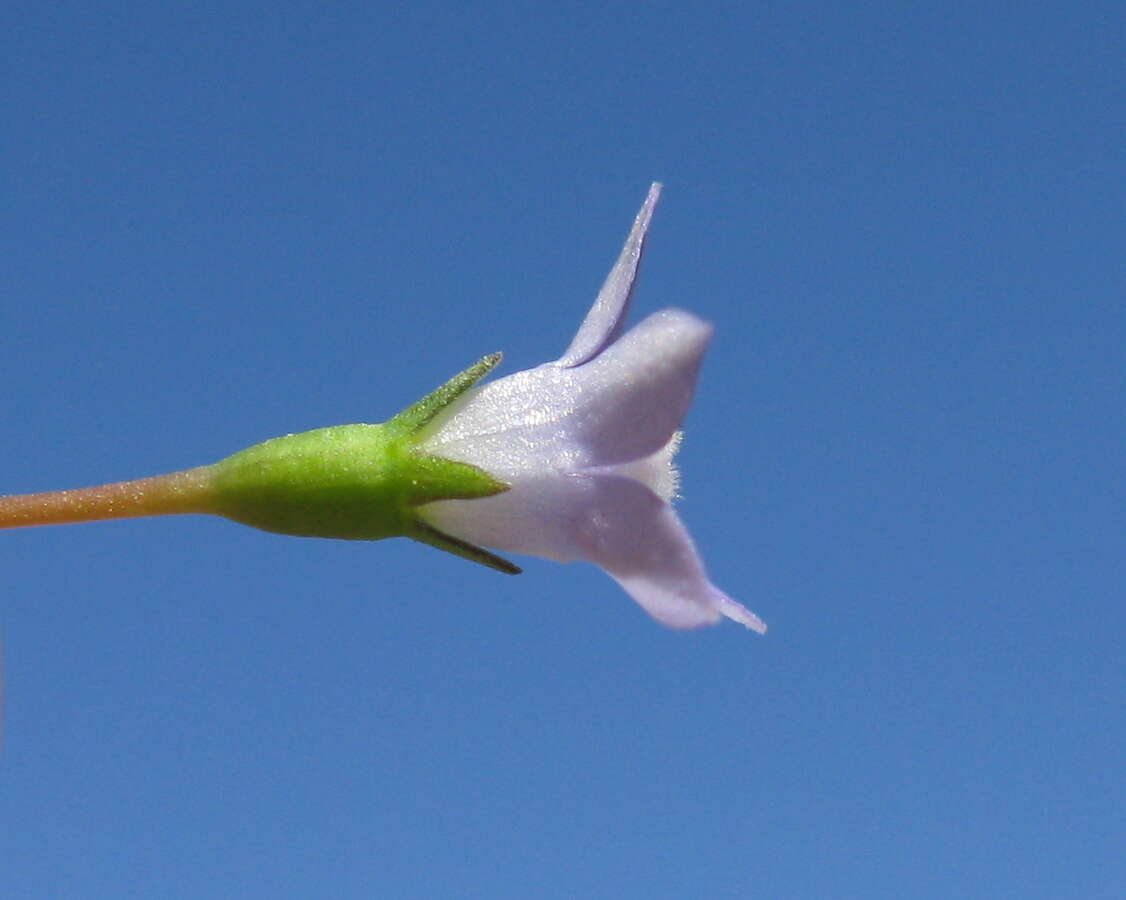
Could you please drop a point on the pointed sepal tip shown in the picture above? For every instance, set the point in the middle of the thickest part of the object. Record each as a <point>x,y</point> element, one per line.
<point>421,413</point>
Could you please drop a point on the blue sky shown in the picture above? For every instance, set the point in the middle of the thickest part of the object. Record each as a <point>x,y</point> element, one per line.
<point>224,222</point>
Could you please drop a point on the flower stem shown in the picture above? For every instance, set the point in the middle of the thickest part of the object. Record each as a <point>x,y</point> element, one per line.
<point>180,492</point>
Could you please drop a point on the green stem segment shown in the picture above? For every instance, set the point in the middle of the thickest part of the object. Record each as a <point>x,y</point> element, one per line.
<point>189,491</point>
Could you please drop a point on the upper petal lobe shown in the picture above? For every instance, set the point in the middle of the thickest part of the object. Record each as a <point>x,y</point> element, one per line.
<point>604,322</point>
<point>621,406</point>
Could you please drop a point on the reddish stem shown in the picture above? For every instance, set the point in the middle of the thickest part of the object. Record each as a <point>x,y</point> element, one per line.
<point>181,492</point>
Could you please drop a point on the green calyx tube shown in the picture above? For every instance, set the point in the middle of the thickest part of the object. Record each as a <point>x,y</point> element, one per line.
<point>355,482</point>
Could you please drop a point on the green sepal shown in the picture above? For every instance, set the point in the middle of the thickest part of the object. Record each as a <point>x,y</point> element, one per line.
<point>433,478</point>
<point>428,534</point>
<point>418,414</point>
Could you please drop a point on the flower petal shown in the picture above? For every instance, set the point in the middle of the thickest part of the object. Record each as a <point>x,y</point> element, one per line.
<point>604,322</point>
<point>541,514</point>
<point>642,545</point>
<point>622,406</point>
<point>609,520</point>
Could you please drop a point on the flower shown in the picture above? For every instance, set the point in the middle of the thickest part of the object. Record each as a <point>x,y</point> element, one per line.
<point>569,460</point>
<point>585,446</point>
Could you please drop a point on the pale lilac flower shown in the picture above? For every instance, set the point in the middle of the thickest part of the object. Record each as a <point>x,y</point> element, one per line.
<point>586,445</point>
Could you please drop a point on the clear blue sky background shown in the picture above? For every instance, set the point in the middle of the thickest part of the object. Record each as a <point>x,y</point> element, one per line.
<point>227,221</point>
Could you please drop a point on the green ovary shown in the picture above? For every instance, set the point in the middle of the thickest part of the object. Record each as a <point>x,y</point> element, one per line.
<point>343,482</point>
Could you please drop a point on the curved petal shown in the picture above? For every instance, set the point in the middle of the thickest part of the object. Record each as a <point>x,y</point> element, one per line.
<point>642,545</point>
<point>622,406</point>
<point>609,520</point>
<point>604,322</point>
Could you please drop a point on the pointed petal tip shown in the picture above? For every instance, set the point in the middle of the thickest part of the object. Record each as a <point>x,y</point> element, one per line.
<point>645,214</point>
<point>605,320</point>
<point>739,613</point>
